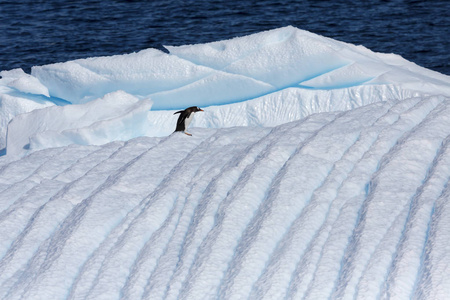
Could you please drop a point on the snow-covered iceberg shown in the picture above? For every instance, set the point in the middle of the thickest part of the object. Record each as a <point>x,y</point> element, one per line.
<point>264,79</point>
<point>319,170</point>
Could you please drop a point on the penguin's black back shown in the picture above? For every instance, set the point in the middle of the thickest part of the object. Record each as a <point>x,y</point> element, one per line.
<point>181,120</point>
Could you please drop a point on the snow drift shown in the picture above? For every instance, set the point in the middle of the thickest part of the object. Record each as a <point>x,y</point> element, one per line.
<point>318,170</point>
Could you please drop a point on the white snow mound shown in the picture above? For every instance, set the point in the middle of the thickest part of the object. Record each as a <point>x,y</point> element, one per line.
<point>340,205</point>
<point>116,116</point>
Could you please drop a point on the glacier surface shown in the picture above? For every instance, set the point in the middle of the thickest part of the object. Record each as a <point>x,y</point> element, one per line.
<point>319,170</point>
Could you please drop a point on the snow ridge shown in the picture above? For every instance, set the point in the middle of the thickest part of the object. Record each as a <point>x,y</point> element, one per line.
<point>337,205</point>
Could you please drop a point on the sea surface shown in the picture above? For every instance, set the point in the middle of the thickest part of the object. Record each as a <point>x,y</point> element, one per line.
<point>43,32</point>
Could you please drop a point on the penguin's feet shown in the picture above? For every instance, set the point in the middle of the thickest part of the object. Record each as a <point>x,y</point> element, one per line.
<point>188,134</point>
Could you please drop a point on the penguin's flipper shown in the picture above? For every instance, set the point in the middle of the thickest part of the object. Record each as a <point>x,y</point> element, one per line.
<point>178,112</point>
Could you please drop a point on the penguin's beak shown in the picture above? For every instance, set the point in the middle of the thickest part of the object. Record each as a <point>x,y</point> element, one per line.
<point>201,109</point>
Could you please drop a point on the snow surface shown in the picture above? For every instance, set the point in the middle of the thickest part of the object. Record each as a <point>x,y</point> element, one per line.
<point>318,170</point>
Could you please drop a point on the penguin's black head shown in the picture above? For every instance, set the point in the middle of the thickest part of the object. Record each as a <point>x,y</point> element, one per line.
<point>194,109</point>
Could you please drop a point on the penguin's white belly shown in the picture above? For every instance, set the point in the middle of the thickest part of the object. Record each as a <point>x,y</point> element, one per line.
<point>188,121</point>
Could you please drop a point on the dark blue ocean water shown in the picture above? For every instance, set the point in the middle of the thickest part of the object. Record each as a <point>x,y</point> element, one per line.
<point>41,32</point>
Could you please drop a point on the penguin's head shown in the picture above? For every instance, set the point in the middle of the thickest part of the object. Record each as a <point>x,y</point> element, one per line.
<point>195,109</point>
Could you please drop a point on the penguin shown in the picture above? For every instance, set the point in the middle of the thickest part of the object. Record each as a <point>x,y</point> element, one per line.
<point>185,118</point>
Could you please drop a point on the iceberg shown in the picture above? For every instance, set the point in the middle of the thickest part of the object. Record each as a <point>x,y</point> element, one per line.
<point>265,79</point>
<point>319,170</point>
